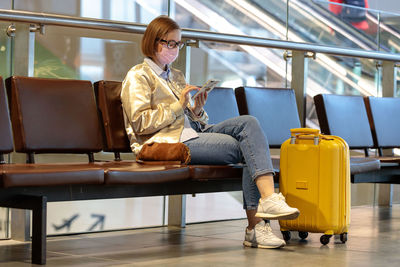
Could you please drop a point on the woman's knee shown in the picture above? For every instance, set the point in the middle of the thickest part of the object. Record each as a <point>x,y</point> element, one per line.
<point>250,121</point>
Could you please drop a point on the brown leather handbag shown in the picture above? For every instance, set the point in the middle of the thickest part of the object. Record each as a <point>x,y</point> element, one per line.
<point>164,152</point>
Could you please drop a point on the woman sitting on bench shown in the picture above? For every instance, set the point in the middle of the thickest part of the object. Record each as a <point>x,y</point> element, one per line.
<point>155,99</point>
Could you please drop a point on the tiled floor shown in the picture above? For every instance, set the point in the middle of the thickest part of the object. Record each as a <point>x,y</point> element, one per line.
<point>374,240</point>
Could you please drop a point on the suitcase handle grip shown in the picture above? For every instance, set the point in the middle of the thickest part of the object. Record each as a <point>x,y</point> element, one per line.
<point>304,131</point>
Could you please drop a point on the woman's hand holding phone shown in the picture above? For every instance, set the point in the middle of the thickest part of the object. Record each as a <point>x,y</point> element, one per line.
<point>199,103</point>
<point>199,98</point>
<point>184,99</point>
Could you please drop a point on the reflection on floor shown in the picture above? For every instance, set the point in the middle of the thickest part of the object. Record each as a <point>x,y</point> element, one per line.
<point>374,240</point>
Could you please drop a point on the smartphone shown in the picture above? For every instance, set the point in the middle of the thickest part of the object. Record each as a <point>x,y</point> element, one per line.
<point>207,87</point>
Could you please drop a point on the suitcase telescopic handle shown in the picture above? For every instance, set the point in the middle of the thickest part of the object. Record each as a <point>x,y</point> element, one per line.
<point>304,131</point>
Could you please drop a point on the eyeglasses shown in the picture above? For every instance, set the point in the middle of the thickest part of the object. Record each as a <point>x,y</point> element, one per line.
<point>171,44</point>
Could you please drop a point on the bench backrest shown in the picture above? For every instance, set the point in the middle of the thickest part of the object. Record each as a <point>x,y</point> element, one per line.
<point>344,116</point>
<point>276,110</point>
<point>53,115</point>
<point>6,142</point>
<point>384,118</point>
<point>221,105</point>
<point>111,115</point>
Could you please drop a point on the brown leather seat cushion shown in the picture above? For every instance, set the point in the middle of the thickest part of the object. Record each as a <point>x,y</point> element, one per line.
<point>212,172</point>
<point>216,172</point>
<point>135,173</point>
<point>13,175</point>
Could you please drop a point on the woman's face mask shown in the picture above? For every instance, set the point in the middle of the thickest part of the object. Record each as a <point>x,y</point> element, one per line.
<point>166,56</point>
<point>170,45</point>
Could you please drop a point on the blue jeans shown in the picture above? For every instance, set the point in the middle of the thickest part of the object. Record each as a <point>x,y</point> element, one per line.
<point>236,140</point>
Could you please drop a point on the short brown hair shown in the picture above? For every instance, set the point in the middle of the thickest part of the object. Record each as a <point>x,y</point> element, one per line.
<point>156,30</point>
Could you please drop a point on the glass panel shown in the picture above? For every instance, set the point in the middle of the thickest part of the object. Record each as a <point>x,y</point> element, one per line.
<point>71,8</point>
<point>236,17</point>
<point>398,82</point>
<point>6,4</point>
<point>5,50</point>
<point>237,65</point>
<point>325,23</point>
<point>341,76</point>
<point>79,54</point>
<point>142,11</point>
<point>389,29</point>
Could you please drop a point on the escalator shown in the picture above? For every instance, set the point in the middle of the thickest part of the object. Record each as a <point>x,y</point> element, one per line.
<point>310,22</point>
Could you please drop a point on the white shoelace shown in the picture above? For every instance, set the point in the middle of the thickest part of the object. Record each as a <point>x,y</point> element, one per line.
<point>266,231</point>
<point>281,197</point>
<point>280,200</point>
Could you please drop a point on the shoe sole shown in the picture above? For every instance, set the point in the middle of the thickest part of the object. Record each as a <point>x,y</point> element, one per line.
<point>253,245</point>
<point>287,216</point>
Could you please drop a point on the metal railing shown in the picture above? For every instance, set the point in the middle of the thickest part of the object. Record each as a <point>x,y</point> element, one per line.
<point>44,19</point>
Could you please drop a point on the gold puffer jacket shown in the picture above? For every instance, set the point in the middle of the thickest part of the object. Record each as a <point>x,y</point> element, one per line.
<point>152,112</point>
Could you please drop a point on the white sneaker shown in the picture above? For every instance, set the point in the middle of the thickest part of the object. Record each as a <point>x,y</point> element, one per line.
<point>275,208</point>
<point>262,237</point>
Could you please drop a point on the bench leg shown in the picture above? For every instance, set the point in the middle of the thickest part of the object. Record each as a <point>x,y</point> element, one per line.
<point>39,218</point>
<point>38,205</point>
<point>177,210</point>
<point>385,193</point>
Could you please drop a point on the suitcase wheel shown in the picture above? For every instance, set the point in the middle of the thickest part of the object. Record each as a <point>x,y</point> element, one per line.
<point>343,237</point>
<point>286,235</point>
<point>303,235</point>
<point>325,239</point>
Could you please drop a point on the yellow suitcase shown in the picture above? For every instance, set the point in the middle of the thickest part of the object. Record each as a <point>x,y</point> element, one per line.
<point>315,178</point>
